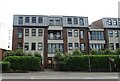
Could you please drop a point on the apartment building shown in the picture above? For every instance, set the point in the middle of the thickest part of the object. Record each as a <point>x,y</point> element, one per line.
<point>46,34</point>
<point>111,27</point>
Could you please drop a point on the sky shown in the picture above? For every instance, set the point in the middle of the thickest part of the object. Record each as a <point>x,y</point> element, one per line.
<point>93,9</point>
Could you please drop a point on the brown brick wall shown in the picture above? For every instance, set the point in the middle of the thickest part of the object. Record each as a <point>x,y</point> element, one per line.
<point>1,53</point>
<point>45,47</point>
<point>85,40</point>
<point>97,24</point>
<point>15,38</point>
<point>65,40</point>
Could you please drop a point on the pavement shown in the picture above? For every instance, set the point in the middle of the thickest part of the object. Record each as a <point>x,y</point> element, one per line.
<point>61,75</point>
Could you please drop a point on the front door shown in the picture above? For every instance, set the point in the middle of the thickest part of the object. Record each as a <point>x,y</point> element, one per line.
<point>50,63</point>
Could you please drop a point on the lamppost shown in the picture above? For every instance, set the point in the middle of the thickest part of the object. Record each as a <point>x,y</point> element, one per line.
<point>89,64</point>
<point>110,64</point>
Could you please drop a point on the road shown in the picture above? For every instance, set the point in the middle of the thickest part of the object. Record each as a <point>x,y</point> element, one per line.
<point>60,75</point>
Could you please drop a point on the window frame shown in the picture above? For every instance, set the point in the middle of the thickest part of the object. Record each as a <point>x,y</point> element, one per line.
<point>27,19</point>
<point>33,47</point>
<point>40,19</point>
<point>27,32</point>
<point>33,19</point>
<point>33,32</point>
<point>69,20</point>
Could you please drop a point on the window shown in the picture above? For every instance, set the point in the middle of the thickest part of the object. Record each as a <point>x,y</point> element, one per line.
<point>109,21</point>
<point>58,22</point>
<point>76,45</point>
<point>26,32</point>
<point>40,19</point>
<point>110,33</point>
<point>82,34</point>
<point>39,46</point>
<point>114,22</point>
<point>20,33</point>
<point>112,46</point>
<point>97,46</point>
<point>82,47</point>
<point>69,20</point>
<point>116,33</point>
<point>26,46</point>
<point>27,19</point>
<point>53,47</point>
<point>19,45</point>
<point>81,22</point>
<point>8,45</point>
<point>33,32</point>
<point>75,33</point>
<point>70,45</point>
<point>51,22</point>
<point>117,45</point>
<point>70,33</point>
<point>119,21</point>
<point>75,21</point>
<point>20,21</point>
<point>33,19</point>
<point>96,35</point>
<point>39,32</point>
<point>33,46</point>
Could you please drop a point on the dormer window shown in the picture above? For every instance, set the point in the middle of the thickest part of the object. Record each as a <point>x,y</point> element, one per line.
<point>51,22</point>
<point>81,22</point>
<point>40,19</point>
<point>27,19</point>
<point>75,21</point>
<point>33,19</point>
<point>109,21</point>
<point>114,22</point>
<point>20,20</point>
<point>69,20</point>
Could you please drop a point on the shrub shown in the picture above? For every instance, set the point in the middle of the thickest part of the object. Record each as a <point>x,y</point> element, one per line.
<point>19,52</point>
<point>94,52</point>
<point>107,51</point>
<point>58,56</point>
<point>5,65</point>
<point>117,51</point>
<point>62,66</point>
<point>36,54</point>
<point>9,53</point>
<point>76,52</point>
<point>24,63</point>
<point>29,54</point>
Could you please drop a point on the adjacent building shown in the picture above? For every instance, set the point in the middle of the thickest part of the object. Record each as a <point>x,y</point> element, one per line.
<point>5,39</point>
<point>46,34</point>
<point>111,27</point>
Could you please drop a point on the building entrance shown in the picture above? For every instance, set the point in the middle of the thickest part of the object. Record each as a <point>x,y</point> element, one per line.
<point>50,63</point>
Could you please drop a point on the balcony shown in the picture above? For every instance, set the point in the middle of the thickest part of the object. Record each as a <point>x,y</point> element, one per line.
<point>55,35</point>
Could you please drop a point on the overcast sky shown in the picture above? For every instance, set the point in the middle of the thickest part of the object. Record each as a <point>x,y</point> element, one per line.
<point>93,9</point>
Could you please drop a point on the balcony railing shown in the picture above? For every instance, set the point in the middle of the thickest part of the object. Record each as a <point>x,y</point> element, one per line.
<point>55,37</point>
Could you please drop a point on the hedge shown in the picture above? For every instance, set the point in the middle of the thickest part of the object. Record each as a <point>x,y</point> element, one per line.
<point>81,63</point>
<point>5,66</point>
<point>99,62</point>
<point>24,63</point>
<point>77,63</point>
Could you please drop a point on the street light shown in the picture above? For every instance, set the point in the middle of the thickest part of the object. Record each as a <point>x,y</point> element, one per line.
<point>89,64</point>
